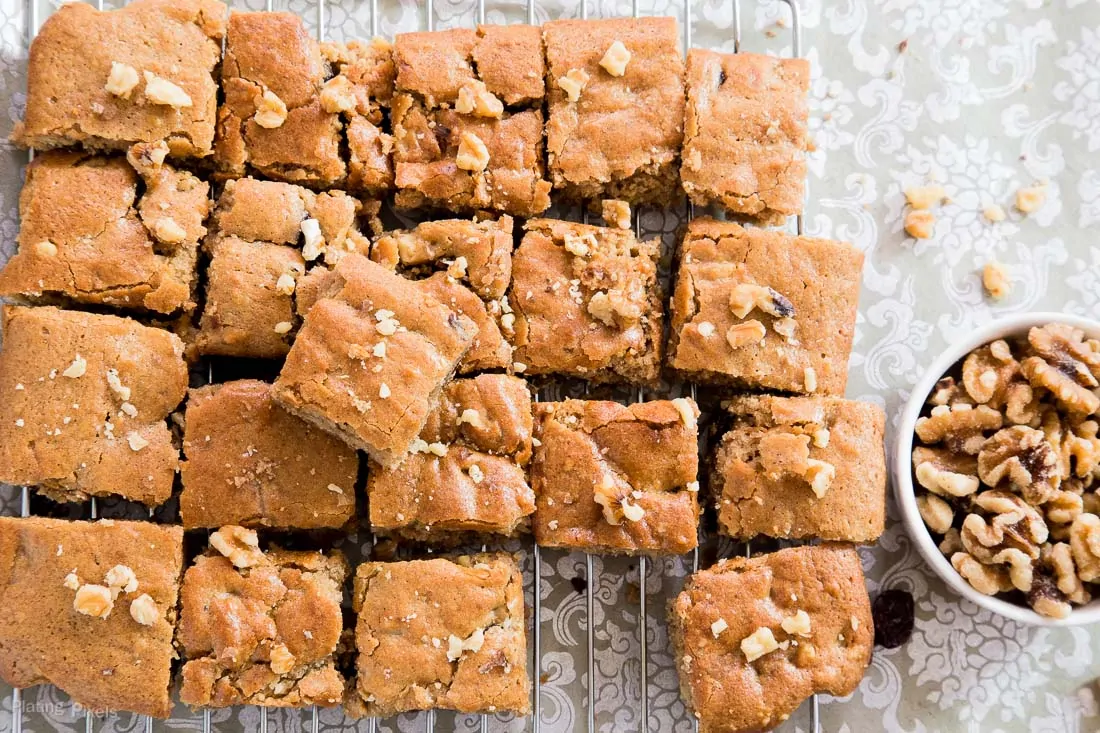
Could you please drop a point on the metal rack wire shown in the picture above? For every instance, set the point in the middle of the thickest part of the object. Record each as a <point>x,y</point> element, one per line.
<point>590,574</point>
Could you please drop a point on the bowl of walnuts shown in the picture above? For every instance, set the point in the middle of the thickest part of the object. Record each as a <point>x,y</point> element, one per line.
<point>997,468</point>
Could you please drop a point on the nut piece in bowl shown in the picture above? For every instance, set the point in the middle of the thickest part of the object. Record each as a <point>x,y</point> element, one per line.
<point>1006,467</point>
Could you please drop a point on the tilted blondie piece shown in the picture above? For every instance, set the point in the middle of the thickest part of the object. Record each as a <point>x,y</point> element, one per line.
<point>440,634</point>
<point>466,475</point>
<point>468,265</point>
<point>467,120</point>
<point>371,358</point>
<point>763,309</point>
<point>251,463</point>
<point>587,303</point>
<point>756,637</point>
<point>263,236</point>
<point>273,121</point>
<point>745,133</point>
<point>802,467</point>
<point>85,399</point>
<point>87,236</point>
<point>90,607</point>
<point>140,74</point>
<point>261,628</point>
<point>615,478</point>
<point>616,100</point>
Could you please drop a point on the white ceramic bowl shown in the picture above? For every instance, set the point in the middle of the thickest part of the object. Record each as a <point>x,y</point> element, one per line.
<point>1011,326</point>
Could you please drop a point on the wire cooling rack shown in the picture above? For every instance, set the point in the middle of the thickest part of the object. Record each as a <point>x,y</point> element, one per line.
<point>534,578</point>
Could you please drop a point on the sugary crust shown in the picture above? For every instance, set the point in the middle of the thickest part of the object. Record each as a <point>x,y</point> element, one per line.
<point>332,378</point>
<point>111,663</point>
<point>87,237</point>
<point>426,147</point>
<point>408,613</point>
<point>274,52</point>
<point>429,497</point>
<point>553,292</point>
<point>745,133</point>
<point>729,694</point>
<point>819,277</point>
<point>650,455</point>
<point>70,61</point>
<point>72,437</point>
<point>751,502</point>
<point>251,463</point>
<point>436,65</point>
<point>231,620</point>
<point>621,139</point>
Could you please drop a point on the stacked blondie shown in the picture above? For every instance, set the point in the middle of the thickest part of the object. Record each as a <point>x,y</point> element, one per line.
<point>208,189</point>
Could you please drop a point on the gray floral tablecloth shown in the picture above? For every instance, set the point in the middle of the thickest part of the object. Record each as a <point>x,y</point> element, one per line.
<point>983,96</point>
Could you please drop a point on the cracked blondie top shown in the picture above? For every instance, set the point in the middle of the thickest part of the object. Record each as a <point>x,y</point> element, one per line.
<point>615,478</point>
<point>142,73</point>
<point>84,403</point>
<point>801,467</point>
<point>466,475</point>
<point>755,638</point>
<point>440,634</point>
<point>249,462</point>
<point>261,627</point>
<point>87,236</point>
<point>371,358</point>
<point>587,303</point>
<point>90,607</point>
<point>745,133</point>
<point>273,119</point>
<point>616,108</point>
<point>468,265</point>
<point>763,309</point>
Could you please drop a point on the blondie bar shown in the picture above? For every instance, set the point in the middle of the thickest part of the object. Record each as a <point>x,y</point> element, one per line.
<point>90,607</point>
<point>745,133</point>
<point>617,479</point>
<point>754,638</point>
<point>763,309</point>
<point>85,399</point>
<point>802,467</point>
<point>261,627</point>
<point>587,303</point>
<point>440,634</point>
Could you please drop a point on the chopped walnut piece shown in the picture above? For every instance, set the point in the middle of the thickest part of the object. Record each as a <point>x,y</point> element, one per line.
<point>943,482</point>
<point>45,248</point>
<point>948,392</point>
<point>987,579</point>
<point>121,578</point>
<point>688,411</point>
<point>718,627</point>
<point>573,83</point>
<point>1019,563</point>
<point>77,369</point>
<point>616,213</point>
<point>240,545</point>
<point>336,95</point>
<point>611,497</point>
<point>166,230</point>
<point>1022,404</point>
<point>1065,574</point>
<point>615,59</point>
<point>1022,458</point>
<point>162,91</point>
<point>285,284</point>
<point>475,98</point>
<point>122,80</point>
<point>270,111</point>
<point>1014,524</point>
<point>1046,599</point>
<point>313,245</point>
<point>282,661</point>
<point>472,153</point>
<point>994,213</point>
<point>919,224</point>
<point>1084,542</point>
<point>143,609</point>
<point>746,296</point>
<point>935,512</point>
<point>758,643</point>
<point>798,624</point>
<point>742,334</point>
<point>1030,199</point>
<point>820,476</point>
<point>925,197</point>
<point>986,374</point>
<point>951,543</point>
<point>995,280</point>
<point>94,600</point>
<point>959,427</point>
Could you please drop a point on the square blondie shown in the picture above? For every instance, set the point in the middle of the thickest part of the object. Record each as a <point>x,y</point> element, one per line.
<point>85,399</point>
<point>468,265</point>
<point>140,74</point>
<point>88,237</point>
<point>801,467</point>
<point>756,637</point>
<point>249,462</point>
<point>762,309</point>
<point>273,120</point>
<point>90,607</point>
<point>745,133</point>
<point>616,108</point>
<point>615,478</point>
<point>261,627</point>
<point>467,120</point>
<point>466,476</point>
<point>371,358</point>
<point>440,633</point>
<point>587,303</point>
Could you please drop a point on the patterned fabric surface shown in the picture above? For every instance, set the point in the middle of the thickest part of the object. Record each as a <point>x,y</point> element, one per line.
<point>983,95</point>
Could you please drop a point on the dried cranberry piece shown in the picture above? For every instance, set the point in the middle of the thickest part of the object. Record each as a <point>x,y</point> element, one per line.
<point>893,612</point>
